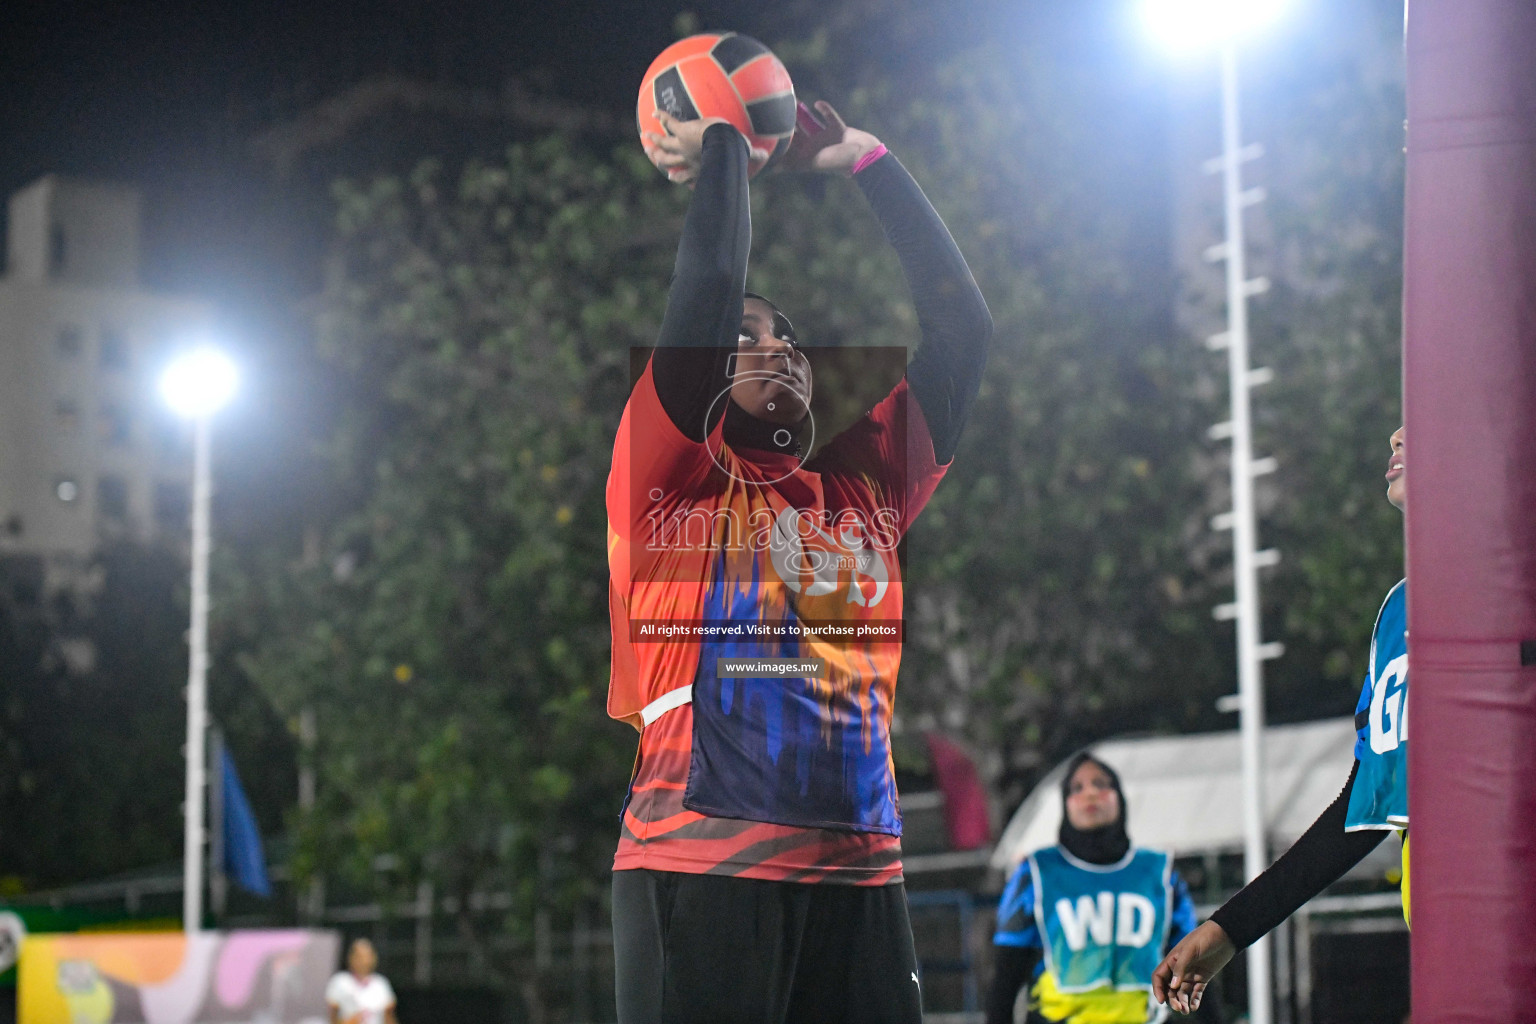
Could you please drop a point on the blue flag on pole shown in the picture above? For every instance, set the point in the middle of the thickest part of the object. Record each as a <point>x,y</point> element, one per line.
<point>244,862</point>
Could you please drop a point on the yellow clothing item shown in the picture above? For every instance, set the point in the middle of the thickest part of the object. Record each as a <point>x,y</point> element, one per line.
<point>1406,916</point>
<point>1097,1006</point>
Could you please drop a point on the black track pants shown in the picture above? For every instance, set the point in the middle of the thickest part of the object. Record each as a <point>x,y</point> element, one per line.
<point>718,950</point>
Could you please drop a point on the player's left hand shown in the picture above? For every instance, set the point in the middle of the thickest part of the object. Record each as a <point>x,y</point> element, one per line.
<point>678,149</point>
<point>823,142</point>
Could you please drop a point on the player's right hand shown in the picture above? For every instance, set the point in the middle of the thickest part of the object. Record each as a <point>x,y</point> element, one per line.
<point>678,148</point>
<point>1180,979</point>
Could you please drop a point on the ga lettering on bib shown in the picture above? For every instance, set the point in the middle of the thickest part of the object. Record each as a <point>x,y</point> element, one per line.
<point>1379,797</point>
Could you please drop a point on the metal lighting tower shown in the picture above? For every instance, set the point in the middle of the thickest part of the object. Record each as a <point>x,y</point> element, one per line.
<point>196,386</point>
<point>1246,559</point>
<point>1200,23</point>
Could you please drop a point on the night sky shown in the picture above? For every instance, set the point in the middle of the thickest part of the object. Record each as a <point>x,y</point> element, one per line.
<point>170,95</point>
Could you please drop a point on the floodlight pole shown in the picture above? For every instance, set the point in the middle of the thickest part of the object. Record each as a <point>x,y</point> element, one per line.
<point>197,679</point>
<point>1251,653</point>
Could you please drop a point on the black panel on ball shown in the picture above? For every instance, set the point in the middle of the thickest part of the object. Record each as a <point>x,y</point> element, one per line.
<point>732,51</point>
<point>672,96</point>
<point>774,115</point>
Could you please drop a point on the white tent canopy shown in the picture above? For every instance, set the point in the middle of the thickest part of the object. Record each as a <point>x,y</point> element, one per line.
<point>1184,793</point>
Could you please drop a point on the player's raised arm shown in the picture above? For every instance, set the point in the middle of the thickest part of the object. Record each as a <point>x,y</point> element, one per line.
<point>703,316</point>
<point>945,374</point>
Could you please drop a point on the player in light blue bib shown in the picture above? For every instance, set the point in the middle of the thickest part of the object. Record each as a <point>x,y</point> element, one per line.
<point>1379,797</point>
<point>1085,922</point>
<point>1374,801</point>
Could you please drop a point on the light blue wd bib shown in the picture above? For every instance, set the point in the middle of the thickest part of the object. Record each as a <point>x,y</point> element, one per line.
<point>1102,924</point>
<point>1379,797</point>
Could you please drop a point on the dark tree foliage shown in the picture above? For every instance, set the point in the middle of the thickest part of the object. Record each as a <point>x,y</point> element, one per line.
<point>94,722</point>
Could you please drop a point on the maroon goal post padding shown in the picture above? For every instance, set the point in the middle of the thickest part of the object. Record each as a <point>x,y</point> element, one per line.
<point>1470,408</point>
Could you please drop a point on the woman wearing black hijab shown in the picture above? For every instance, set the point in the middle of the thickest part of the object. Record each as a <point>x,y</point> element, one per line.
<point>1085,922</point>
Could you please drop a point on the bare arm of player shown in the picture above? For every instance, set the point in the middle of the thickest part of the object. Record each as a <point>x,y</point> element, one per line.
<point>1181,978</point>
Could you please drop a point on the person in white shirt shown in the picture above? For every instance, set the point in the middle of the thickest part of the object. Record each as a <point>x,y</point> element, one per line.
<point>357,995</point>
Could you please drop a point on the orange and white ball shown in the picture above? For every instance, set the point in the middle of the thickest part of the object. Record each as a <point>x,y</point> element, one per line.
<point>722,74</point>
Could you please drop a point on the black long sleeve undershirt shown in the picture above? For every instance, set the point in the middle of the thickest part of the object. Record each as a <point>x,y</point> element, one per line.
<point>1013,968</point>
<point>703,318</point>
<point>704,304</point>
<point>1316,860</point>
<point>945,373</point>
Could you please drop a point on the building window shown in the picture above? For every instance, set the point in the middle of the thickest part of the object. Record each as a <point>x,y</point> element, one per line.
<point>66,489</point>
<point>169,437</point>
<point>58,249</point>
<point>172,505</point>
<point>112,497</point>
<point>69,341</point>
<point>116,425</point>
<point>115,354</point>
<point>67,413</point>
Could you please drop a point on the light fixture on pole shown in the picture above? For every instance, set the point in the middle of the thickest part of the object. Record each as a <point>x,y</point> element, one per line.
<point>1201,24</point>
<point>196,385</point>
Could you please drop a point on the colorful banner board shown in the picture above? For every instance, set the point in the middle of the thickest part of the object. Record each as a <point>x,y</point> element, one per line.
<point>16,923</point>
<point>275,977</point>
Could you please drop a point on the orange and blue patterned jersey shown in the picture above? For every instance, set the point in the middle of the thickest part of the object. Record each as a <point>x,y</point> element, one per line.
<point>724,565</point>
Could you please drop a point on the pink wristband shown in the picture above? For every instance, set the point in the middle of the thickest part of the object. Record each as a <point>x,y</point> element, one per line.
<point>869,158</point>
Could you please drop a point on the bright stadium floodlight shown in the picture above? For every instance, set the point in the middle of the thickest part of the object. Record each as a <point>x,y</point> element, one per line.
<point>199,383</point>
<point>196,385</point>
<point>1201,24</point>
